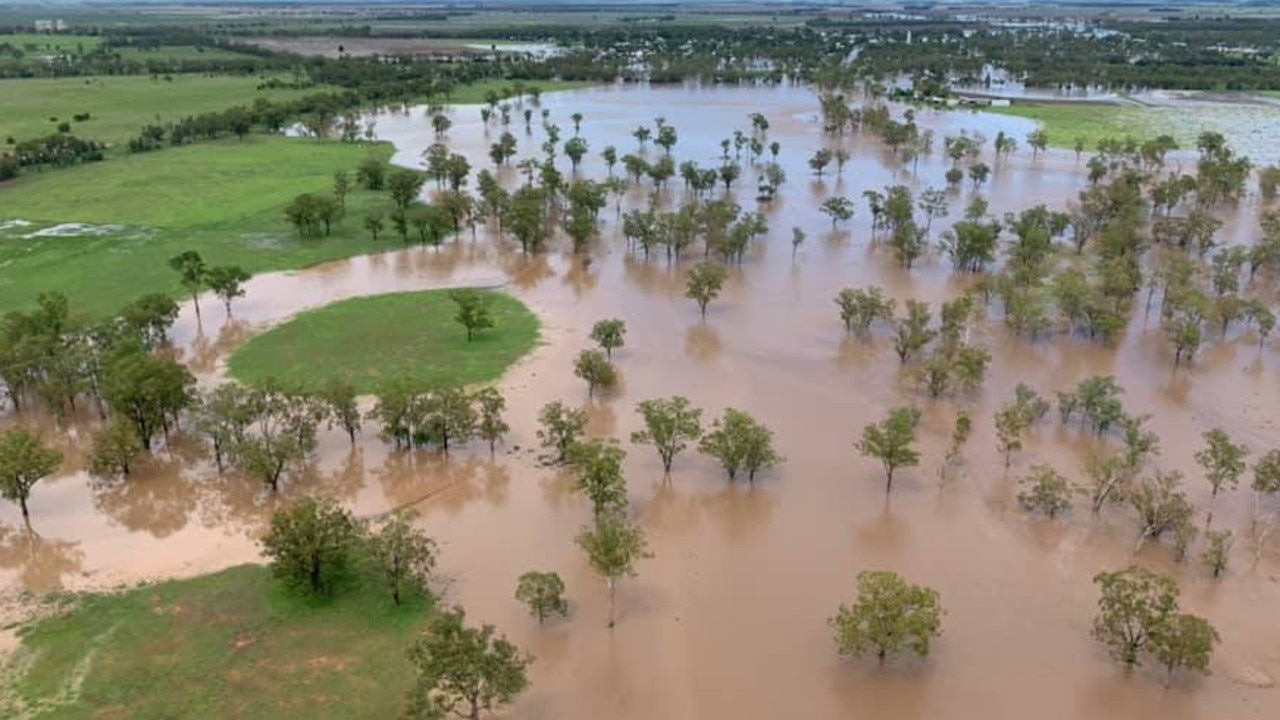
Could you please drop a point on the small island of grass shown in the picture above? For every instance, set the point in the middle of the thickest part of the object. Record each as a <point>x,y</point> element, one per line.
<point>369,341</point>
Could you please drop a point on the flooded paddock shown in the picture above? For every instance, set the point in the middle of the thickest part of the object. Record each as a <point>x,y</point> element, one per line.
<point>729,619</point>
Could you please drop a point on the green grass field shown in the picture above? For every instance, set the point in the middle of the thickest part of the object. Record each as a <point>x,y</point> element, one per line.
<point>234,644</point>
<point>42,43</point>
<point>222,199</point>
<point>1064,122</point>
<point>121,105</point>
<point>177,52</point>
<point>401,336</point>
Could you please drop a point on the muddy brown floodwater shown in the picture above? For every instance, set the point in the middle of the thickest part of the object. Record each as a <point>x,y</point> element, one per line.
<point>729,619</point>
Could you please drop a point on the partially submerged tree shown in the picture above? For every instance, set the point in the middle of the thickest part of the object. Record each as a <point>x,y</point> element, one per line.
<point>227,282</point>
<point>543,592</point>
<point>740,443</point>
<point>1218,554</point>
<point>1184,642</point>
<point>595,370</point>
<point>1135,604</point>
<point>1160,504</point>
<point>960,432</point>
<point>1045,491</point>
<point>338,398</point>
<point>669,425</point>
<point>613,546</point>
<point>24,461</point>
<point>115,448</point>
<point>463,670</point>
<point>149,391</point>
<point>490,426</point>
<point>888,616</point>
<point>704,285</point>
<point>597,466</point>
<point>562,426</point>
<point>912,332</point>
<point>890,441</point>
<point>1223,461</point>
<point>609,335</point>
<point>280,436</point>
<point>860,307</point>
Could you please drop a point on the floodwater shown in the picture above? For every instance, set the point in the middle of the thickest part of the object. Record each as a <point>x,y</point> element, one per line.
<point>729,619</point>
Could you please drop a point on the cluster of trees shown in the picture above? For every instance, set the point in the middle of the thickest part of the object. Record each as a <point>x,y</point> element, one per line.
<point>50,356</point>
<point>1138,616</point>
<point>1180,54</point>
<point>409,415</point>
<point>317,547</point>
<point>58,150</point>
<point>530,213</point>
<point>953,363</point>
<point>1124,476</point>
<point>1134,209</point>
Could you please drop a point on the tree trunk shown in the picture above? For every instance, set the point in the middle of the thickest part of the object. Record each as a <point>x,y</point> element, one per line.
<point>612,588</point>
<point>22,501</point>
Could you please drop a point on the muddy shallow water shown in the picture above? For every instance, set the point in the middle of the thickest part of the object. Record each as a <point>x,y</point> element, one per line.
<point>729,618</point>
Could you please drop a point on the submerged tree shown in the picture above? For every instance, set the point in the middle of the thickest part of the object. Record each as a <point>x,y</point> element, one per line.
<point>609,335</point>
<point>561,427</point>
<point>597,466</point>
<point>1045,491</point>
<point>913,331</point>
<point>1135,604</point>
<point>860,307</point>
<point>1184,642</point>
<point>115,448</point>
<point>960,432</point>
<point>490,426</point>
<point>543,592</point>
<point>1218,553</point>
<point>613,546</point>
<point>595,369</point>
<point>338,398</point>
<point>740,443</point>
<point>669,425</point>
<point>227,282</point>
<point>890,442</point>
<point>889,615</point>
<point>1223,461</point>
<point>704,285</point>
<point>24,461</point>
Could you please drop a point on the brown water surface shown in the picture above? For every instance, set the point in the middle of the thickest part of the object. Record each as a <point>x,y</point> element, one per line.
<point>729,619</point>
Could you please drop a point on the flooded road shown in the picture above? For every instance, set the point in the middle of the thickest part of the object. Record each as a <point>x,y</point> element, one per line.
<point>729,619</point>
